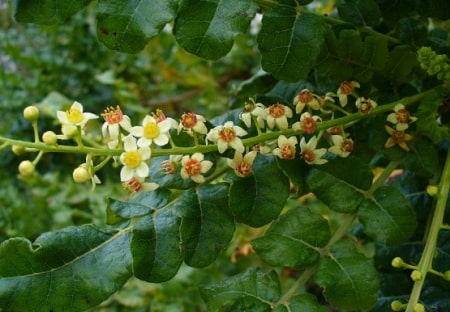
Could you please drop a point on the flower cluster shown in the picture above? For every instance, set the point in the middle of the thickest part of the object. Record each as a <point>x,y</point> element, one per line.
<point>285,130</point>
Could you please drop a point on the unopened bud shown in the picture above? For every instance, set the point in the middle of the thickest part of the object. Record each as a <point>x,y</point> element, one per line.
<point>80,174</point>
<point>397,262</point>
<point>397,306</point>
<point>31,113</point>
<point>447,275</point>
<point>26,168</point>
<point>18,150</point>
<point>416,275</point>
<point>49,138</point>
<point>432,190</point>
<point>418,307</point>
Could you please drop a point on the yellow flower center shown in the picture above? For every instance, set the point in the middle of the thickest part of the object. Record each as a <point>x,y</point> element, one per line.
<point>132,159</point>
<point>227,134</point>
<point>151,130</point>
<point>74,115</point>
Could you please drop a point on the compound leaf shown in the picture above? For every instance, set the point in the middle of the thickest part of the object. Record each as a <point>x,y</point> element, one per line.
<point>47,12</point>
<point>259,198</point>
<point>388,217</point>
<point>290,41</point>
<point>127,26</point>
<point>349,279</point>
<point>253,289</point>
<point>359,12</point>
<point>294,240</point>
<point>67,270</point>
<point>341,191</point>
<point>208,28</point>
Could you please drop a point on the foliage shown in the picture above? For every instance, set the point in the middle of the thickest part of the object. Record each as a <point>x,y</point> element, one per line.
<point>324,176</point>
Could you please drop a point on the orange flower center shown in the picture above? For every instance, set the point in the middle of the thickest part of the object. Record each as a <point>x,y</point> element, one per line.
<point>227,134</point>
<point>188,120</point>
<point>287,151</point>
<point>308,155</point>
<point>346,87</point>
<point>133,186</point>
<point>112,116</point>
<point>402,115</point>
<point>193,167</point>
<point>243,169</point>
<point>347,145</point>
<point>308,125</point>
<point>398,136</point>
<point>305,96</point>
<point>276,110</point>
<point>365,107</point>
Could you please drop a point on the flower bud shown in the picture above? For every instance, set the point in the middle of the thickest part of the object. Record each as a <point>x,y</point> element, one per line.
<point>26,168</point>
<point>397,262</point>
<point>397,306</point>
<point>416,275</point>
<point>31,113</point>
<point>18,150</point>
<point>447,275</point>
<point>432,190</point>
<point>418,307</point>
<point>49,138</point>
<point>80,174</point>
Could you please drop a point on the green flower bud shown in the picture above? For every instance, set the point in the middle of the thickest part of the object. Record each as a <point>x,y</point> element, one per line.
<point>18,150</point>
<point>419,308</point>
<point>31,113</point>
<point>397,262</point>
<point>81,175</point>
<point>432,190</point>
<point>416,275</point>
<point>26,168</point>
<point>447,275</point>
<point>397,306</point>
<point>49,138</point>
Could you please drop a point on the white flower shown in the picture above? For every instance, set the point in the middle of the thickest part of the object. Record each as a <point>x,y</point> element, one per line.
<point>401,117</point>
<point>227,135</point>
<point>309,152</point>
<point>257,110</point>
<point>152,131</point>
<point>286,147</point>
<point>194,166</point>
<point>345,89</point>
<point>114,120</point>
<point>137,184</point>
<point>242,165</point>
<point>192,122</point>
<point>341,147</point>
<point>306,97</point>
<point>74,116</point>
<point>278,115</point>
<point>365,106</point>
<point>133,160</point>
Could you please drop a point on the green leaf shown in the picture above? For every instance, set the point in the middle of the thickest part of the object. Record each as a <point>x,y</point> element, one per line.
<point>67,270</point>
<point>296,169</point>
<point>401,61</point>
<point>290,40</point>
<point>349,279</point>
<point>294,240</point>
<point>253,289</point>
<point>434,8</point>
<point>305,302</point>
<point>139,205</point>
<point>47,12</point>
<point>207,225</point>
<point>426,119</point>
<point>341,191</point>
<point>259,198</point>
<point>388,217</point>
<point>127,26</point>
<point>155,246</point>
<point>412,31</point>
<point>195,227</point>
<point>393,11</point>
<point>208,28</point>
<point>423,159</point>
<point>350,58</point>
<point>359,12</point>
